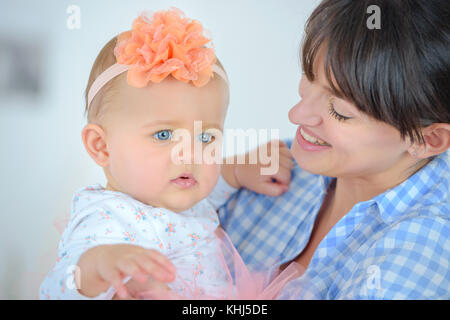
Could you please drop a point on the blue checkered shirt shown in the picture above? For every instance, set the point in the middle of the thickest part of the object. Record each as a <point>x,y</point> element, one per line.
<point>393,246</point>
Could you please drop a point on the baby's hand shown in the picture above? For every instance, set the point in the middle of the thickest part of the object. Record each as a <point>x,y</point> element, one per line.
<point>121,260</point>
<point>138,290</point>
<point>250,175</point>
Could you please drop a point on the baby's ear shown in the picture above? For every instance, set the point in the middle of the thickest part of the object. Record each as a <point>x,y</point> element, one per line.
<point>94,139</point>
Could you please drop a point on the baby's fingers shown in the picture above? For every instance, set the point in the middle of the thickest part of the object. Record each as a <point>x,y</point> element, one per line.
<point>155,269</point>
<point>131,268</point>
<point>161,259</point>
<point>114,277</point>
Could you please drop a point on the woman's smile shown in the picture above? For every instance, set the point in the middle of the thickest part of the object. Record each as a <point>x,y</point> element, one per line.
<point>310,142</point>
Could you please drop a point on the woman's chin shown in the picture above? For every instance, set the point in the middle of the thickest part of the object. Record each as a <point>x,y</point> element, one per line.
<point>312,162</point>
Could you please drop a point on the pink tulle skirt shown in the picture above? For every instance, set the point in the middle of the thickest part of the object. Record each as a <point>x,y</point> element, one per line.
<point>243,284</point>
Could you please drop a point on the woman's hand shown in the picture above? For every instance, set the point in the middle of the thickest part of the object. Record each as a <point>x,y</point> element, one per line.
<point>251,176</point>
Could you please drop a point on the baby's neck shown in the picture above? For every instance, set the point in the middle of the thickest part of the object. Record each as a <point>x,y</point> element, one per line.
<point>109,187</point>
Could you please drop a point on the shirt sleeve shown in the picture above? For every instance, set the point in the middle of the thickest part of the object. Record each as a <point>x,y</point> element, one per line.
<point>411,261</point>
<point>98,227</point>
<point>221,193</point>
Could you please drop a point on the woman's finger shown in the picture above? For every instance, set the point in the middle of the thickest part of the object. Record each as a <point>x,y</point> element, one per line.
<point>285,151</point>
<point>272,189</point>
<point>287,163</point>
<point>283,176</point>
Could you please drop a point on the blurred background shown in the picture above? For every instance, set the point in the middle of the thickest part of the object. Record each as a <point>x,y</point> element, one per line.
<point>47,48</point>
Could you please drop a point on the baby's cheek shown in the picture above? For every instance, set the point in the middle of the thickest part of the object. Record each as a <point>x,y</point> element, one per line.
<point>209,176</point>
<point>147,175</point>
<point>120,167</point>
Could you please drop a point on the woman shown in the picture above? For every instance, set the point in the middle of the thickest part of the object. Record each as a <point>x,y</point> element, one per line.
<point>368,211</point>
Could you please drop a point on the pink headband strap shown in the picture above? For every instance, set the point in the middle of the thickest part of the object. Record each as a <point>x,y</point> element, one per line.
<point>116,69</point>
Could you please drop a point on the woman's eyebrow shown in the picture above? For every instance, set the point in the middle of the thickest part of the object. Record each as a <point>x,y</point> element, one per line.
<point>323,83</point>
<point>331,91</point>
<point>338,95</point>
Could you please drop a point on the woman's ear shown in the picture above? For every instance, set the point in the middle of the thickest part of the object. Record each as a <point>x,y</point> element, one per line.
<point>437,138</point>
<point>94,139</point>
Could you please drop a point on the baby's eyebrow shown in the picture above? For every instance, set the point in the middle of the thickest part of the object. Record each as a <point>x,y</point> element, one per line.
<point>212,125</point>
<point>158,122</point>
<point>179,124</point>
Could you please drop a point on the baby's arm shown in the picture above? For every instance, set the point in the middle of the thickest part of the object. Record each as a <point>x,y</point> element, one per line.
<point>106,265</point>
<point>95,247</point>
<point>258,177</point>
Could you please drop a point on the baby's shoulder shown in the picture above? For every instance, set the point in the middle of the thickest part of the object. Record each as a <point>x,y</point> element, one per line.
<point>95,202</point>
<point>205,212</point>
<point>95,198</point>
<point>95,207</point>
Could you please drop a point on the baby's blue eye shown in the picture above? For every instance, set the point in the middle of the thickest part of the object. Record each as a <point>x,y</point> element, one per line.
<point>205,137</point>
<point>163,135</point>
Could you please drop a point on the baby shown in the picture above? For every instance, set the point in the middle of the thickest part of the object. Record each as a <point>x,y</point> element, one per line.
<point>156,104</point>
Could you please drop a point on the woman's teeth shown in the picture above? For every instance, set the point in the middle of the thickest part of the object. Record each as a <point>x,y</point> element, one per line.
<point>312,139</point>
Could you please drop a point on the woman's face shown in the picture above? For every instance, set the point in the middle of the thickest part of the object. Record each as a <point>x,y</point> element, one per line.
<point>354,145</point>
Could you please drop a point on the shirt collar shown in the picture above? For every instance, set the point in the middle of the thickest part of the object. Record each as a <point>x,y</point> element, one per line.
<point>398,201</point>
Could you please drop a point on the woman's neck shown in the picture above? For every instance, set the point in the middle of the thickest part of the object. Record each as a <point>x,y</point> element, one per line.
<point>352,190</point>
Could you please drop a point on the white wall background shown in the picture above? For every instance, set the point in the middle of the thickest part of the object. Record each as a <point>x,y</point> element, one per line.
<point>42,158</point>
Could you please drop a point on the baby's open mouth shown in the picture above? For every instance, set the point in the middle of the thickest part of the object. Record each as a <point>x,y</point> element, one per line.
<point>185,180</point>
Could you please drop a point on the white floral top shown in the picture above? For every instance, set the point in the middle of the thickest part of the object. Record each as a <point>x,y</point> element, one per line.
<point>100,216</point>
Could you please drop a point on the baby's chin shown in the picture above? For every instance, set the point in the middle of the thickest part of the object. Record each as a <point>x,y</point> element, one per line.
<point>180,206</point>
<point>176,198</point>
<point>177,202</point>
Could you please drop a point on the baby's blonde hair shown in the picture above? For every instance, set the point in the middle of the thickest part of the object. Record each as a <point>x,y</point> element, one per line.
<point>104,60</point>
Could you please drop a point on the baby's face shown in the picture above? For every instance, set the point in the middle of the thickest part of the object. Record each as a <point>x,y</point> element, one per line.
<point>138,129</point>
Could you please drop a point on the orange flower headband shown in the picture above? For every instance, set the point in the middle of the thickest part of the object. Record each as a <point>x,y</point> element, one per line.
<point>165,43</point>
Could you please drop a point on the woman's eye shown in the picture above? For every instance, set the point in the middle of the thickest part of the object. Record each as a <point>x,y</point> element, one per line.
<point>163,135</point>
<point>338,116</point>
<point>206,137</point>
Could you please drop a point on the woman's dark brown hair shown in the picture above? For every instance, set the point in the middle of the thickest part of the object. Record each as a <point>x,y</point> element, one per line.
<point>398,74</point>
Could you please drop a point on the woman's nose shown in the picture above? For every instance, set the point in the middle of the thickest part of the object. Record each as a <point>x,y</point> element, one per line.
<point>305,113</point>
